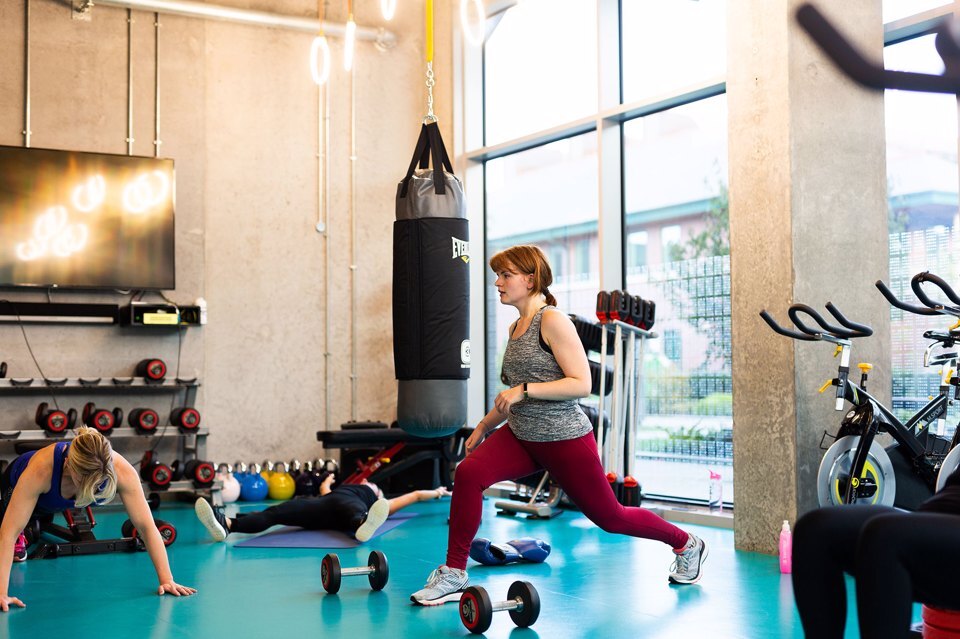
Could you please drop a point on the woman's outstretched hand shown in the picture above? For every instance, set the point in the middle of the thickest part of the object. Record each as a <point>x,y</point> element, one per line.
<point>6,602</point>
<point>175,589</point>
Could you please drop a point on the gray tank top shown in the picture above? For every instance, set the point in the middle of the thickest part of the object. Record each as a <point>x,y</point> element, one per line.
<point>540,420</point>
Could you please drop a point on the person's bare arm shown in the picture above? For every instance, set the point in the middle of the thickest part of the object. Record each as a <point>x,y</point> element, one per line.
<point>34,481</point>
<point>325,486</point>
<point>398,503</point>
<point>131,494</point>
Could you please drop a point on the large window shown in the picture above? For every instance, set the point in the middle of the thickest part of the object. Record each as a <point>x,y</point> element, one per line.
<point>544,177</point>
<point>545,196</point>
<point>669,45</point>
<point>897,9</point>
<point>675,184</point>
<point>540,67</point>
<point>922,184</point>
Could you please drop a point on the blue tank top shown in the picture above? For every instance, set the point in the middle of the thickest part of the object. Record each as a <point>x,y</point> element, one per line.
<point>51,501</point>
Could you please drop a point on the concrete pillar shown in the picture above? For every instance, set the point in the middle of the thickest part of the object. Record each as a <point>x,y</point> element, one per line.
<point>808,223</point>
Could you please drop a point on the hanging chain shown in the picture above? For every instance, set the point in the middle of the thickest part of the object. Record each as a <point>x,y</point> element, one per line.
<point>430,82</point>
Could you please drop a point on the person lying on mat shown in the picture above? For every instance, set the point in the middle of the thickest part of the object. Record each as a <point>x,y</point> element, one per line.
<point>74,474</point>
<point>359,509</point>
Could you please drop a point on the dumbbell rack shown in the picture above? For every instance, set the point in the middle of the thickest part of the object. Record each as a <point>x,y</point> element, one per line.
<point>190,445</point>
<point>617,450</point>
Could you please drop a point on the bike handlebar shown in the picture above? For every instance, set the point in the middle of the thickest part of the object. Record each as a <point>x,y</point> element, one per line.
<point>926,276</point>
<point>784,331</point>
<point>851,330</point>
<point>861,330</point>
<point>794,311</point>
<point>919,310</point>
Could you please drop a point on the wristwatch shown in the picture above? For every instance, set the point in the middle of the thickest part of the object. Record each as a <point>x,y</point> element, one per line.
<point>525,395</point>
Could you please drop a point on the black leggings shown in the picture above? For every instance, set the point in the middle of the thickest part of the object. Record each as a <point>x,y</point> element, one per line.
<point>896,557</point>
<point>337,510</point>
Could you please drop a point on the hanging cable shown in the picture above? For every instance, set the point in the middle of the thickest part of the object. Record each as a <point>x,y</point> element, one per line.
<point>430,117</point>
<point>320,51</point>
<point>349,38</point>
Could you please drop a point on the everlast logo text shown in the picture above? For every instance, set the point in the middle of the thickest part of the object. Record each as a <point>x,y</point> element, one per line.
<point>461,249</point>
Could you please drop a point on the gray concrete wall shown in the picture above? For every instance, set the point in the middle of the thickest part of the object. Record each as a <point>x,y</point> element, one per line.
<point>808,223</point>
<point>240,116</point>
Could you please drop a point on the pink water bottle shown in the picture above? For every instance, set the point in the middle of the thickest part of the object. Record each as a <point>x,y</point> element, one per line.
<point>786,549</point>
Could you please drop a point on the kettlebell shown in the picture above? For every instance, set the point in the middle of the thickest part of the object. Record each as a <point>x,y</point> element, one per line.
<point>281,485</point>
<point>230,488</point>
<point>254,489</point>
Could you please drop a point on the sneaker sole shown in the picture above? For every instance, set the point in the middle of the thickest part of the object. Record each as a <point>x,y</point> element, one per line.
<point>205,515</point>
<point>375,517</point>
<point>453,596</point>
<point>703,558</point>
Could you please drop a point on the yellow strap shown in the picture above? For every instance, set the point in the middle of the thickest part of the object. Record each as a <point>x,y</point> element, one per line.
<point>826,385</point>
<point>955,326</point>
<point>429,30</point>
<point>838,351</point>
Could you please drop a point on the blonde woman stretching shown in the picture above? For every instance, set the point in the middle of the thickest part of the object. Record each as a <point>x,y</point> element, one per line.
<point>82,472</point>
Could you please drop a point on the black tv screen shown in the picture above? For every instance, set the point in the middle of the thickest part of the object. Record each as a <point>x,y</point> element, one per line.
<point>86,220</point>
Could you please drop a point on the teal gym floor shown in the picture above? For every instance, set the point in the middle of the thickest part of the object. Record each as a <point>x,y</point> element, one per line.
<point>593,585</point>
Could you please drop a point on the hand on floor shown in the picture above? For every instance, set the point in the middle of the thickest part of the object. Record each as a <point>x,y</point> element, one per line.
<point>175,589</point>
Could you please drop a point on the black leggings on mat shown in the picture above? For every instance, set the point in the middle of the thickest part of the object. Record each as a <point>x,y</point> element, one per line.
<point>338,510</point>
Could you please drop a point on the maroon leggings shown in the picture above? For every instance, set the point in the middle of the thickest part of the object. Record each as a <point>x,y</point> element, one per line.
<point>572,463</point>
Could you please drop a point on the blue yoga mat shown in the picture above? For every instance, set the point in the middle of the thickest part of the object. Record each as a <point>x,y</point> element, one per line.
<point>292,537</point>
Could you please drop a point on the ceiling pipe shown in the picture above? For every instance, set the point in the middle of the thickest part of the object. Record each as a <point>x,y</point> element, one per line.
<point>381,37</point>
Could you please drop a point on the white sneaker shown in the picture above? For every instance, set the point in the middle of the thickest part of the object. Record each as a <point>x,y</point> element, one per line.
<point>377,514</point>
<point>686,568</point>
<point>212,520</point>
<point>444,584</point>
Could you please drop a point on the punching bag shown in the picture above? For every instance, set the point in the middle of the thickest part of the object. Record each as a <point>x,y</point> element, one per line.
<point>431,305</point>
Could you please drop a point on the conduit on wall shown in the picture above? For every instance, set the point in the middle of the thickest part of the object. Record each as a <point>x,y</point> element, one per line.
<point>382,37</point>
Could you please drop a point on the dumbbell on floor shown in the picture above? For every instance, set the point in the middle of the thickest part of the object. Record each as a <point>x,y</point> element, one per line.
<point>476,607</point>
<point>376,569</point>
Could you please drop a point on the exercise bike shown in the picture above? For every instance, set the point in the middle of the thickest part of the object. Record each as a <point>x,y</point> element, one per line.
<point>856,468</point>
<point>948,340</point>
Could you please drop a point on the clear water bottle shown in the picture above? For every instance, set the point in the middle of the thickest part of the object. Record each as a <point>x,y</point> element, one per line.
<point>715,500</point>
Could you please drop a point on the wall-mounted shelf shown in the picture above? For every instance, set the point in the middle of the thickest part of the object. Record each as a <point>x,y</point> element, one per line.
<point>56,313</point>
<point>74,385</point>
<point>36,434</point>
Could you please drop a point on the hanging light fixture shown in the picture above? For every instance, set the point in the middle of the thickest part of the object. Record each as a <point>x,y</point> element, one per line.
<point>320,52</point>
<point>349,38</point>
<point>474,33</point>
<point>388,8</point>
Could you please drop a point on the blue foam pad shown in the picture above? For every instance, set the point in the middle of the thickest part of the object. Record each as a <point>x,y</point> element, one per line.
<point>293,537</point>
